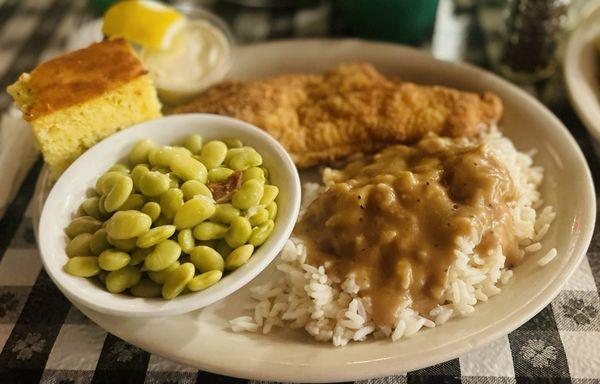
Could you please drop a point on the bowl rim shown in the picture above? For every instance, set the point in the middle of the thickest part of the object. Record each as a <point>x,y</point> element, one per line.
<point>196,300</point>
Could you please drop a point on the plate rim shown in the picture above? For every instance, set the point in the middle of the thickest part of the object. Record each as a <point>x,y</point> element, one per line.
<point>384,367</point>
<point>573,51</point>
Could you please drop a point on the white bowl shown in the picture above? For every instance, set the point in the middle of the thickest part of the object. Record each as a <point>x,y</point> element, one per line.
<point>69,191</point>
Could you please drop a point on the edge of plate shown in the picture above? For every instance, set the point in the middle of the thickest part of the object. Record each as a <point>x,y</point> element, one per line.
<point>386,366</point>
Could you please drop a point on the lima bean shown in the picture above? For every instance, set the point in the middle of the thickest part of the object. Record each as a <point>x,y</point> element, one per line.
<point>260,216</point>
<point>120,189</point>
<point>161,156</point>
<point>119,280</point>
<point>233,152</point>
<point>91,208</point>
<point>219,174</point>
<point>83,266</point>
<point>239,256</point>
<point>154,183</point>
<point>159,277</point>
<point>233,143</point>
<point>269,194</point>
<point>155,235</point>
<point>152,209</point>
<point>213,153</point>
<point>272,208</point>
<point>170,202</point>
<point>248,195</point>
<point>127,245</point>
<point>193,212</point>
<point>135,202</point>
<point>127,224</point>
<point>204,280</point>
<point>80,245</point>
<point>177,280</point>
<point>99,242</point>
<point>206,259</point>
<point>113,259</point>
<point>246,158</point>
<point>188,168</point>
<point>140,151</point>
<point>239,232</point>
<point>186,241</point>
<point>192,188</point>
<point>82,224</point>
<point>225,213</point>
<point>254,173</point>
<point>193,143</point>
<point>210,231</point>
<point>261,233</point>
<point>163,255</point>
<point>105,182</point>
<point>137,173</point>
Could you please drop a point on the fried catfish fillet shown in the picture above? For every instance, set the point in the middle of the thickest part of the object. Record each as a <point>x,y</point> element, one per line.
<point>352,108</point>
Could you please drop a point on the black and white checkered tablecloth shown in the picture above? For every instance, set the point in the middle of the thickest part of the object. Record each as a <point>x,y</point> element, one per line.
<point>44,338</point>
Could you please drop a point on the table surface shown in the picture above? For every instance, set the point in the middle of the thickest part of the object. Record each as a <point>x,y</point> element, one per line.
<point>44,338</point>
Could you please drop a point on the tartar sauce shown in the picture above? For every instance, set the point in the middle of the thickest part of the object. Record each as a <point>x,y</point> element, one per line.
<point>199,55</point>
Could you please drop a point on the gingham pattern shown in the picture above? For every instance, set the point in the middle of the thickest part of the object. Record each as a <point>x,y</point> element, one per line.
<point>44,338</point>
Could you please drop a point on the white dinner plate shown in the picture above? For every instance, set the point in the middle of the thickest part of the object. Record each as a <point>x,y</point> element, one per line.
<point>202,338</point>
<point>581,71</point>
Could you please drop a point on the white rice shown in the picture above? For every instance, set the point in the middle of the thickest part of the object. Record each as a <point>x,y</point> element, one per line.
<point>548,257</point>
<point>306,297</point>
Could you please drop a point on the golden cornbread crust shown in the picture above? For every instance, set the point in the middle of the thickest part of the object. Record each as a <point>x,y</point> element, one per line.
<point>76,100</point>
<point>75,78</point>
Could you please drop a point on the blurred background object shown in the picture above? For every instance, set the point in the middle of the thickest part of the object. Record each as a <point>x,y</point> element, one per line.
<point>401,21</point>
<point>534,31</point>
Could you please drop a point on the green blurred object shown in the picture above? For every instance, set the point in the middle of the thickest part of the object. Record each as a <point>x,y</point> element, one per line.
<point>402,21</point>
<point>101,5</point>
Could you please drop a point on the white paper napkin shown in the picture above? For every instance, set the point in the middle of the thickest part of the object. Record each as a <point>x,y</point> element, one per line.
<point>18,152</point>
<point>17,145</point>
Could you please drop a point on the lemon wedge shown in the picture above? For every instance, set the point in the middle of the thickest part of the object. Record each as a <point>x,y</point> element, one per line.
<point>147,23</point>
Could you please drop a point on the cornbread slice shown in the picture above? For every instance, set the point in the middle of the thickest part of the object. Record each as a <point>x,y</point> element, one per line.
<point>77,99</point>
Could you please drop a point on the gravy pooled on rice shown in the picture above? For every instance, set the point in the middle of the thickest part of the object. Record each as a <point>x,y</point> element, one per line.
<point>393,220</point>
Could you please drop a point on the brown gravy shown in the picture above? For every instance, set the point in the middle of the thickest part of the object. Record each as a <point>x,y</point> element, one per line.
<point>393,219</point>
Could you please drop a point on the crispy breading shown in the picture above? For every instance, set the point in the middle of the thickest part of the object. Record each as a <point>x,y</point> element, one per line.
<point>352,108</point>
